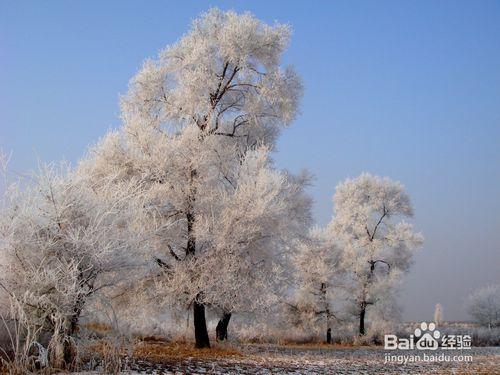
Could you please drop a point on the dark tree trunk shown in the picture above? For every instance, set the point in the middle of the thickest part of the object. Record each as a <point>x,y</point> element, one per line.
<point>69,354</point>
<point>200,323</point>
<point>362,313</point>
<point>77,311</point>
<point>200,326</point>
<point>327,313</point>
<point>69,349</point>
<point>221,329</point>
<point>364,302</point>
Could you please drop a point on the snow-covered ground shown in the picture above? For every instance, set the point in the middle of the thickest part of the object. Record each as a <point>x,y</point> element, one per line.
<point>267,359</point>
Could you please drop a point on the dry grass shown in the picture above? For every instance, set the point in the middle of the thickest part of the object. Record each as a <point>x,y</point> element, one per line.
<point>319,345</point>
<point>156,351</point>
<point>96,327</point>
<point>104,347</point>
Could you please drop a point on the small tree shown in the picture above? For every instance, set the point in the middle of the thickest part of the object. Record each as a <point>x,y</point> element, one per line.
<point>252,230</point>
<point>376,247</point>
<point>438,314</point>
<point>319,282</point>
<point>60,244</point>
<point>484,306</point>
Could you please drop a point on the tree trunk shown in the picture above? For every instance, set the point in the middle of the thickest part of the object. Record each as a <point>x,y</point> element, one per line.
<point>200,323</point>
<point>362,313</point>
<point>221,329</point>
<point>329,336</point>
<point>77,311</point>
<point>69,354</point>
<point>69,349</point>
<point>328,314</point>
<point>200,326</point>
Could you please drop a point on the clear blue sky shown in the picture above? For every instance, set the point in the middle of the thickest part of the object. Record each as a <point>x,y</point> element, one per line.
<point>410,90</point>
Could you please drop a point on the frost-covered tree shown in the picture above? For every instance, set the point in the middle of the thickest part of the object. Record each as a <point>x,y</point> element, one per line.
<point>60,245</point>
<point>377,244</point>
<point>199,123</point>
<point>244,222</point>
<point>318,276</point>
<point>438,314</point>
<point>484,306</point>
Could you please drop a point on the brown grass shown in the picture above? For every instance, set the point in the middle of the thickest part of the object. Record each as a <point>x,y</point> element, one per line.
<point>175,351</point>
<point>104,347</point>
<point>320,345</point>
<point>101,328</point>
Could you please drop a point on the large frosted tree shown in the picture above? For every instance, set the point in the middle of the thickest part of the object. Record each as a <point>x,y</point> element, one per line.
<point>377,244</point>
<point>199,123</point>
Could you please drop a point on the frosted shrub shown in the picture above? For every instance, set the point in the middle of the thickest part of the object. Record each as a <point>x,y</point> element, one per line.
<point>60,245</point>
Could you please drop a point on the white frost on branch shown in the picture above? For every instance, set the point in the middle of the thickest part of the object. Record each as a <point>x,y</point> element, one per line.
<point>223,76</point>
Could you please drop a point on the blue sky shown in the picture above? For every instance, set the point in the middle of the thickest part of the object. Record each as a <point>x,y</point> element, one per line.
<point>409,90</point>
